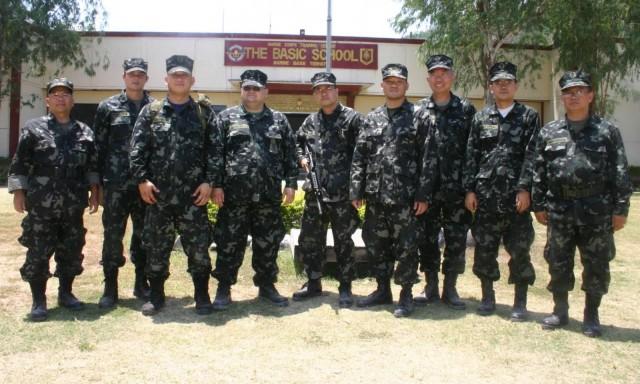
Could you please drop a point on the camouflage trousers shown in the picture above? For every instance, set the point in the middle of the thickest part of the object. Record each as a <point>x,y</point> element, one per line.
<point>59,231</point>
<point>454,218</point>
<point>119,204</point>
<point>390,234</point>
<point>161,225</point>
<point>261,220</point>
<point>596,245</point>
<point>313,237</point>
<point>516,232</point>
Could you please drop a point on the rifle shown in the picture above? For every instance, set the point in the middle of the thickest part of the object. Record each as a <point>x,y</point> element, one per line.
<point>315,185</point>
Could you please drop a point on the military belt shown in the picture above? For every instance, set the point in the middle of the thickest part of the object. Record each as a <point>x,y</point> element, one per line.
<point>58,172</point>
<point>568,192</point>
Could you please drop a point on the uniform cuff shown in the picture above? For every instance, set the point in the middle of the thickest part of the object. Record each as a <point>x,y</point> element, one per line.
<point>16,182</point>
<point>93,178</point>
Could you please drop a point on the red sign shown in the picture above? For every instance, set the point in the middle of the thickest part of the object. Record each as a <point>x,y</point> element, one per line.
<point>263,53</point>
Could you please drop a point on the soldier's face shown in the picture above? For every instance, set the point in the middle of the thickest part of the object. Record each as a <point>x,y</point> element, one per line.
<point>394,87</point>
<point>179,83</point>
<point>440,80</point>
<point>253,96</point>
<point>503,90</point>
<point>60,101</point>
<point>577,99</point>
<point>325,95</point>
<point>135,80</point>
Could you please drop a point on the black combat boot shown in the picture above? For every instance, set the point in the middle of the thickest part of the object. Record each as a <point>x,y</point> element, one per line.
<point>519,310</point>
<point>141,288</point>
<point>560,315</point>
<point>223,297</point>
<point>345,299</point>
<point>65,297</point>
<point>591,321</point>
<point>269,292</point>
<point>488,304</point>
<point>450,293</point>
<point>431,292</point>
<point>39,306</point>
<point>201,294</point>
<point>382,295</point>
<point>405,303</point>
<point>311,288</point>
<point>110,296</point>
<point>156,297</point>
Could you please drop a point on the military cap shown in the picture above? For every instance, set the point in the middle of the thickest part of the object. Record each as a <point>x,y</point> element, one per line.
<point>135,64</point>
<point>254,77</point>
<point>577,78</point>
<point>503,70</point>
<point>179,63</point>
<point>395,70</point>
<point>323,78</point>
<point>439,61</point>
<point>59,82</point>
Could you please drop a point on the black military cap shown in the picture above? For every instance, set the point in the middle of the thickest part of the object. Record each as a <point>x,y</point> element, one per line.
<point>323,78</point>
<point>503,70</point>
<point>179,63</point>
<point>135,64</point>
<point>59,82</point>
<point>439,61</point>
<point>254,77</point>
<point>577,78</point>
<point>395,70</point>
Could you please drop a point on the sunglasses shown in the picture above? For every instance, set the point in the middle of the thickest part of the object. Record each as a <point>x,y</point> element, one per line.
<point>248,88</point>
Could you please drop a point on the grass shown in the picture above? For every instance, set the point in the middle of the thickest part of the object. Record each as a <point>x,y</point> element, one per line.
<point>312,341</point>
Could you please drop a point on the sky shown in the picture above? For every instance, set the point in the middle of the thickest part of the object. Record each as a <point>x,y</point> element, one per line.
<point>361,18</point>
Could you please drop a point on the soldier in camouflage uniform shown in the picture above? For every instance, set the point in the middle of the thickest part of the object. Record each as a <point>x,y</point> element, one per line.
<point>113,125</point>
<point>54,166</point>
<point>329,137</point>
<point>386,171</point>
<point>447,117</point>
<point>581,190</point>
<point>497,178</point>
<point>176,160</point>
<point>259,153</point>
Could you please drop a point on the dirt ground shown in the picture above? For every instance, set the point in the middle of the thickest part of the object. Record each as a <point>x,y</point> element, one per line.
<point>310,342</point>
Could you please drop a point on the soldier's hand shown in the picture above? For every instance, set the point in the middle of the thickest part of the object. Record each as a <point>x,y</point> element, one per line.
<point>147,192</point>
<point>94,199</point>
<point>618,222</point>
<point>304,163</point>
<point>218,197</point>
<point>471,202</point>
<point>202,194</point>
<point>420,207</point>
<point>289,194</point>
<point>357,203</point>
<point>523,201</point>
<point>101,196</point>
<point>19,200</point>
<point>542,217</point>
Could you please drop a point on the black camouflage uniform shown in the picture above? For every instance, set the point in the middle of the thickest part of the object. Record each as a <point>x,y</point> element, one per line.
<point>330,141</point>
<point>114,122</point>
<point>495,171</point>
<point>448,128</point>
<point>259,154</point>
<point>54,164</point>
<point>581,180</point>
<point>177,148</point>
<point>386,172</point>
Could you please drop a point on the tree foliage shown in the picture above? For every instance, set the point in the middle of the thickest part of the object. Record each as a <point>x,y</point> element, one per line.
<point>34,33</point>
<point>599,36</point>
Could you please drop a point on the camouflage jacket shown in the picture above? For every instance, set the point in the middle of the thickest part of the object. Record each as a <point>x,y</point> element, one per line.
<point>259,153</point>
<point>388,160</point>
<point>174,151</point>
<point>583,172</point>
<point>499,156</point>
<point>54,165</point>
<point>331,140</point>
<point>112,127</point>
<point>448,134</point>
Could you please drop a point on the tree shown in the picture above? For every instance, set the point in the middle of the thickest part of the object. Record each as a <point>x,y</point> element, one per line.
<point>36,33</point>
<point>476,33</point>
